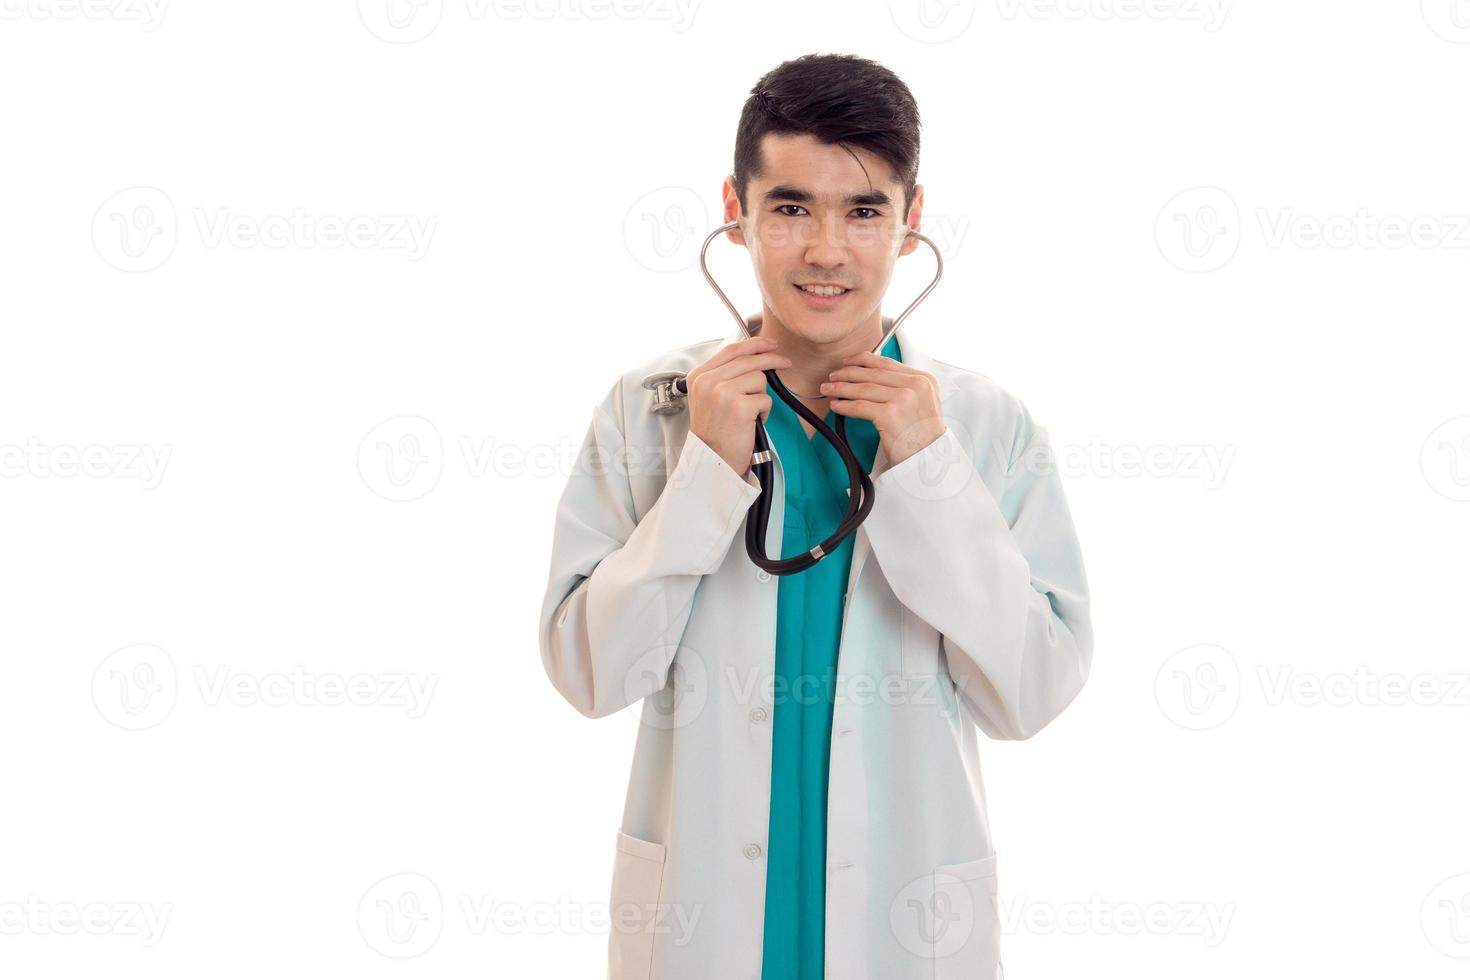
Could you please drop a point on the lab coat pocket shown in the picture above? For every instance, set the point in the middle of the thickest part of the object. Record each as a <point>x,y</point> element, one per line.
<point>638,871</point>
<point>918,645</point>
<point>966,925</point>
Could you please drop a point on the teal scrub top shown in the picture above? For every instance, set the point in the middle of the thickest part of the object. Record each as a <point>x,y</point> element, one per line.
<point>808,631</point>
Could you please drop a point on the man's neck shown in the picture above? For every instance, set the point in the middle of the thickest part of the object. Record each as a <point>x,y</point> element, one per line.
<point>812,363</point>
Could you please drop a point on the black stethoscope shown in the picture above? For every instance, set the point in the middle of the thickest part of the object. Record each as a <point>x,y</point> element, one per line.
<point>670,389</point>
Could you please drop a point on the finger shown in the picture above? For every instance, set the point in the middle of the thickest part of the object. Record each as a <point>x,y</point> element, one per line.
<point>753,365</point>
<point>873,375</point>
<point>750,382</point>
<point>762,405</point>
<point>868,358</point>
<point>750,345</point>
<point>856,389</point>
<point>747,344</point>
<point>858,408</point>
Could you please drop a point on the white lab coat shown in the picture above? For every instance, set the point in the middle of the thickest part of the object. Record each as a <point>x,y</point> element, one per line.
<point>967,608</point>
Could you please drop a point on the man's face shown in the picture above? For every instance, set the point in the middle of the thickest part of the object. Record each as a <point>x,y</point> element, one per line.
<point>816,217</point>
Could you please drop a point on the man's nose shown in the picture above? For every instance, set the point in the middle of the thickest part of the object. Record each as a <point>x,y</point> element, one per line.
<point>829,245</point>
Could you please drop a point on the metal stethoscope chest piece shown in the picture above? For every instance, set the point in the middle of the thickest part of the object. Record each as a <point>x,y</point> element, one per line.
<point>670,391</point>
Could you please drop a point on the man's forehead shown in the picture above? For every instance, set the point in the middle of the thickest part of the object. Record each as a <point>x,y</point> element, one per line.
<point>803,169</point>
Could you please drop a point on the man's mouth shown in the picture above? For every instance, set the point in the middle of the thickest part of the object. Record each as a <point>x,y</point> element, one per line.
<point>821,297</point>
<point>824,290</point>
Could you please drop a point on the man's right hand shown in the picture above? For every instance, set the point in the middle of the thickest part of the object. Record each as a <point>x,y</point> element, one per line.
<point>727,394</point>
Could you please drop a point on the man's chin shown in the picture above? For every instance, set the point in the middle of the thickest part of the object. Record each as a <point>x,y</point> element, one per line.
<point>819,327</point>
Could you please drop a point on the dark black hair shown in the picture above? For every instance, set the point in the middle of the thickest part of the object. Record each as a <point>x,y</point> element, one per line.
<point>837,98</point>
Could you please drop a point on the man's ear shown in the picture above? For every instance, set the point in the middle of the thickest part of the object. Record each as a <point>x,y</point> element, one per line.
<point>731,211</point>
<point>916,211</point>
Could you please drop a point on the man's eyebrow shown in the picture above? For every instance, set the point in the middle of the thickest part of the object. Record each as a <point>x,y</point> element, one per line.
<point>785,192</point>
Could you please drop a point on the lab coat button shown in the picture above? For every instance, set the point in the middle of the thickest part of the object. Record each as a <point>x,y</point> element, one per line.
<point>752,851</point>
<point>758,715</point>
<point>763,575</point>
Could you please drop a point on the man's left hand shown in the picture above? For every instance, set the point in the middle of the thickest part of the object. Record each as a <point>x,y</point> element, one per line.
<point>902,402</point>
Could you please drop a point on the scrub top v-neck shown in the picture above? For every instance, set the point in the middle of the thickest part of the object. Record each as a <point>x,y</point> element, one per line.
<point>808,630</point>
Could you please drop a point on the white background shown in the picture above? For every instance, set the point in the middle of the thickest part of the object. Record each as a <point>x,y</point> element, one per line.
<point>1169,229</point>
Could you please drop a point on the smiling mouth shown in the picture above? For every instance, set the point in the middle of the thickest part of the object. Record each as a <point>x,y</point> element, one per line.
<point>825,292</point>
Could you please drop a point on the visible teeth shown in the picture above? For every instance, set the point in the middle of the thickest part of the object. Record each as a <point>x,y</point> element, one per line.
<point>825,290</point>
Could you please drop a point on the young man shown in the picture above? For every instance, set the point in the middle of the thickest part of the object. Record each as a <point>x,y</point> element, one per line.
<point>806,797</point>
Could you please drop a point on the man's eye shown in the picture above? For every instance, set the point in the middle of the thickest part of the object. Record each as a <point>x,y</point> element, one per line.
<point>872,212</point>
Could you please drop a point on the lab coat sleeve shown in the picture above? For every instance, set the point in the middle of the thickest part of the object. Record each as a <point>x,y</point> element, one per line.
<point>1002,579</point>
<point>620,589</point>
